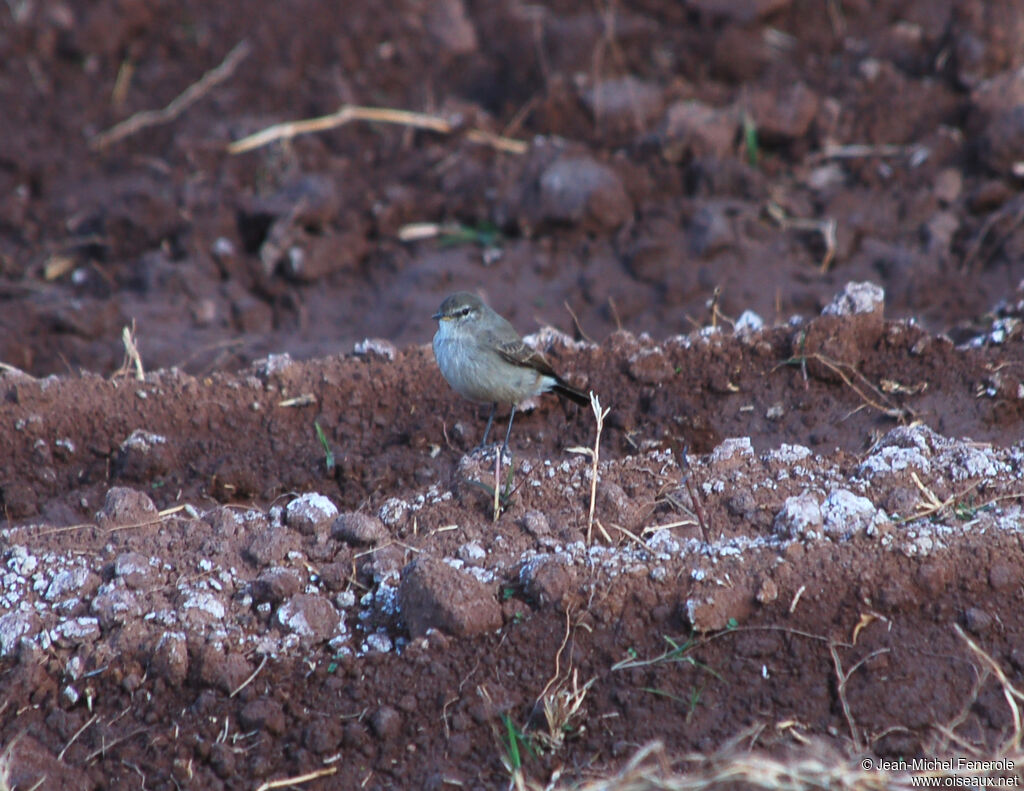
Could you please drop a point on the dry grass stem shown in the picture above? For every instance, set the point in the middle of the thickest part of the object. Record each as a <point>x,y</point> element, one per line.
<point>680,523</point>
<point>599,416</point>
<point>1015,211</point>
<point>76,734</point>
<point>817,765</point>
<point>683,459</point>
<point>558,658</point>
<point>796,598</point>
<point>132,358</point>
<point>57,266</point>
<point>563,704</point>
<point>842,678</point>
<point>863,150</point>
<point>497,485</point>
<point>182,102</point>
<point>883,404</point>
<point>827,229</point>
<point>576,322</point>
<point>562,708</point>
<point>1010,692</point>
<point>630,535</point>
<point>306,399</point>
<point>348,113</point>
<point>716,296</point>
<point>284,782</point>
<point>252,677</point>
<point>932,506</point>
<point>11,369</point>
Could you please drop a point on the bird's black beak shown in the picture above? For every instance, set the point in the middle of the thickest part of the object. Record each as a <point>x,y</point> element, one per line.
<point>437,316</point>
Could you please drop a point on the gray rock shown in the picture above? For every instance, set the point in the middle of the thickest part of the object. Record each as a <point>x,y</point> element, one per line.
<point>624,103</point>
<point>536,524</point>
<point>977,620</point>
<point>616,507</point>
<point>202,608</point>
<point>359,529</point>
<point>144,455</point>
<point>170,658</point>
<point>710,231</point>
<point>135,570</point>
<point>271,545</point>
<point>310,513</point>
<point>124,506</point>
<point>262,714</point>
<point>1002,142</point>
<point>115,606</point>
<point>694,129</point>
<point>447,22</point>
<point>276,584</point>
<point>386,723</point>
<point>311,617</point>
<point>225,671</point>
<point>783,113</point>
<point>577,189</point>
<point>650,367</point>
<point>547,582</point>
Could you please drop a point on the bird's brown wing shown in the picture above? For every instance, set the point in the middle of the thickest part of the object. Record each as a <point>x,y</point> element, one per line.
<point>518,353</point>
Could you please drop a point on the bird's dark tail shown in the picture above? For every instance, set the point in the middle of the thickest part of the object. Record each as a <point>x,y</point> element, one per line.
<point>570,392</point>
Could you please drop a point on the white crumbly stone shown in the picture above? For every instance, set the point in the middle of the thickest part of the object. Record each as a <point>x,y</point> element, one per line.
<point>964,462</point>
<point>76,631</point>
<point>206,603</point>
<point>345,599</point>
<point>800,517</point>
<point>732,447</point>
<point>546,337</point>
<point>471,551</point>
<point>13,626</point>
<point>21,561</point>
<point>378,642</point>
<point>379,346</point>
<point>846,513</point>
<point>142,441</point>
<point>788,454</point>
<point>273,363</point>
<point>748,323</point>
<point>891,459</point>
<point>393,511</point>
<point>66,581</point>
<point>293,618</point>
<point>855,298</point>
<point>311,509</point>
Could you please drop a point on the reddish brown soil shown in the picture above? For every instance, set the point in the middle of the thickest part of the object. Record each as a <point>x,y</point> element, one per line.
<point>182,604</point>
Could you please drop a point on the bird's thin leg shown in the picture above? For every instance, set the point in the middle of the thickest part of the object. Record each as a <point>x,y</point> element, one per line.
<point>490,420</point>
<point>508,431</point>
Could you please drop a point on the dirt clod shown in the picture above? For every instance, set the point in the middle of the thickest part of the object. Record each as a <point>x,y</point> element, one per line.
<point>434,595</point>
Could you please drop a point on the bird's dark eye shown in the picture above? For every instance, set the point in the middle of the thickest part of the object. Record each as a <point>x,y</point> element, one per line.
<point>464,311</point>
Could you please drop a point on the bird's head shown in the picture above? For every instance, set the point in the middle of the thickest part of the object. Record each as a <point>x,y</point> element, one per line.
<point>460,307</point>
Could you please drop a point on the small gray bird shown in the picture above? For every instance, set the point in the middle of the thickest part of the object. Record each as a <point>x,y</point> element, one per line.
<point>484,359</point>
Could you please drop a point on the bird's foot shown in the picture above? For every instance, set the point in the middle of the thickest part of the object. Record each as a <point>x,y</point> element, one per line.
<point>490,450</point>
